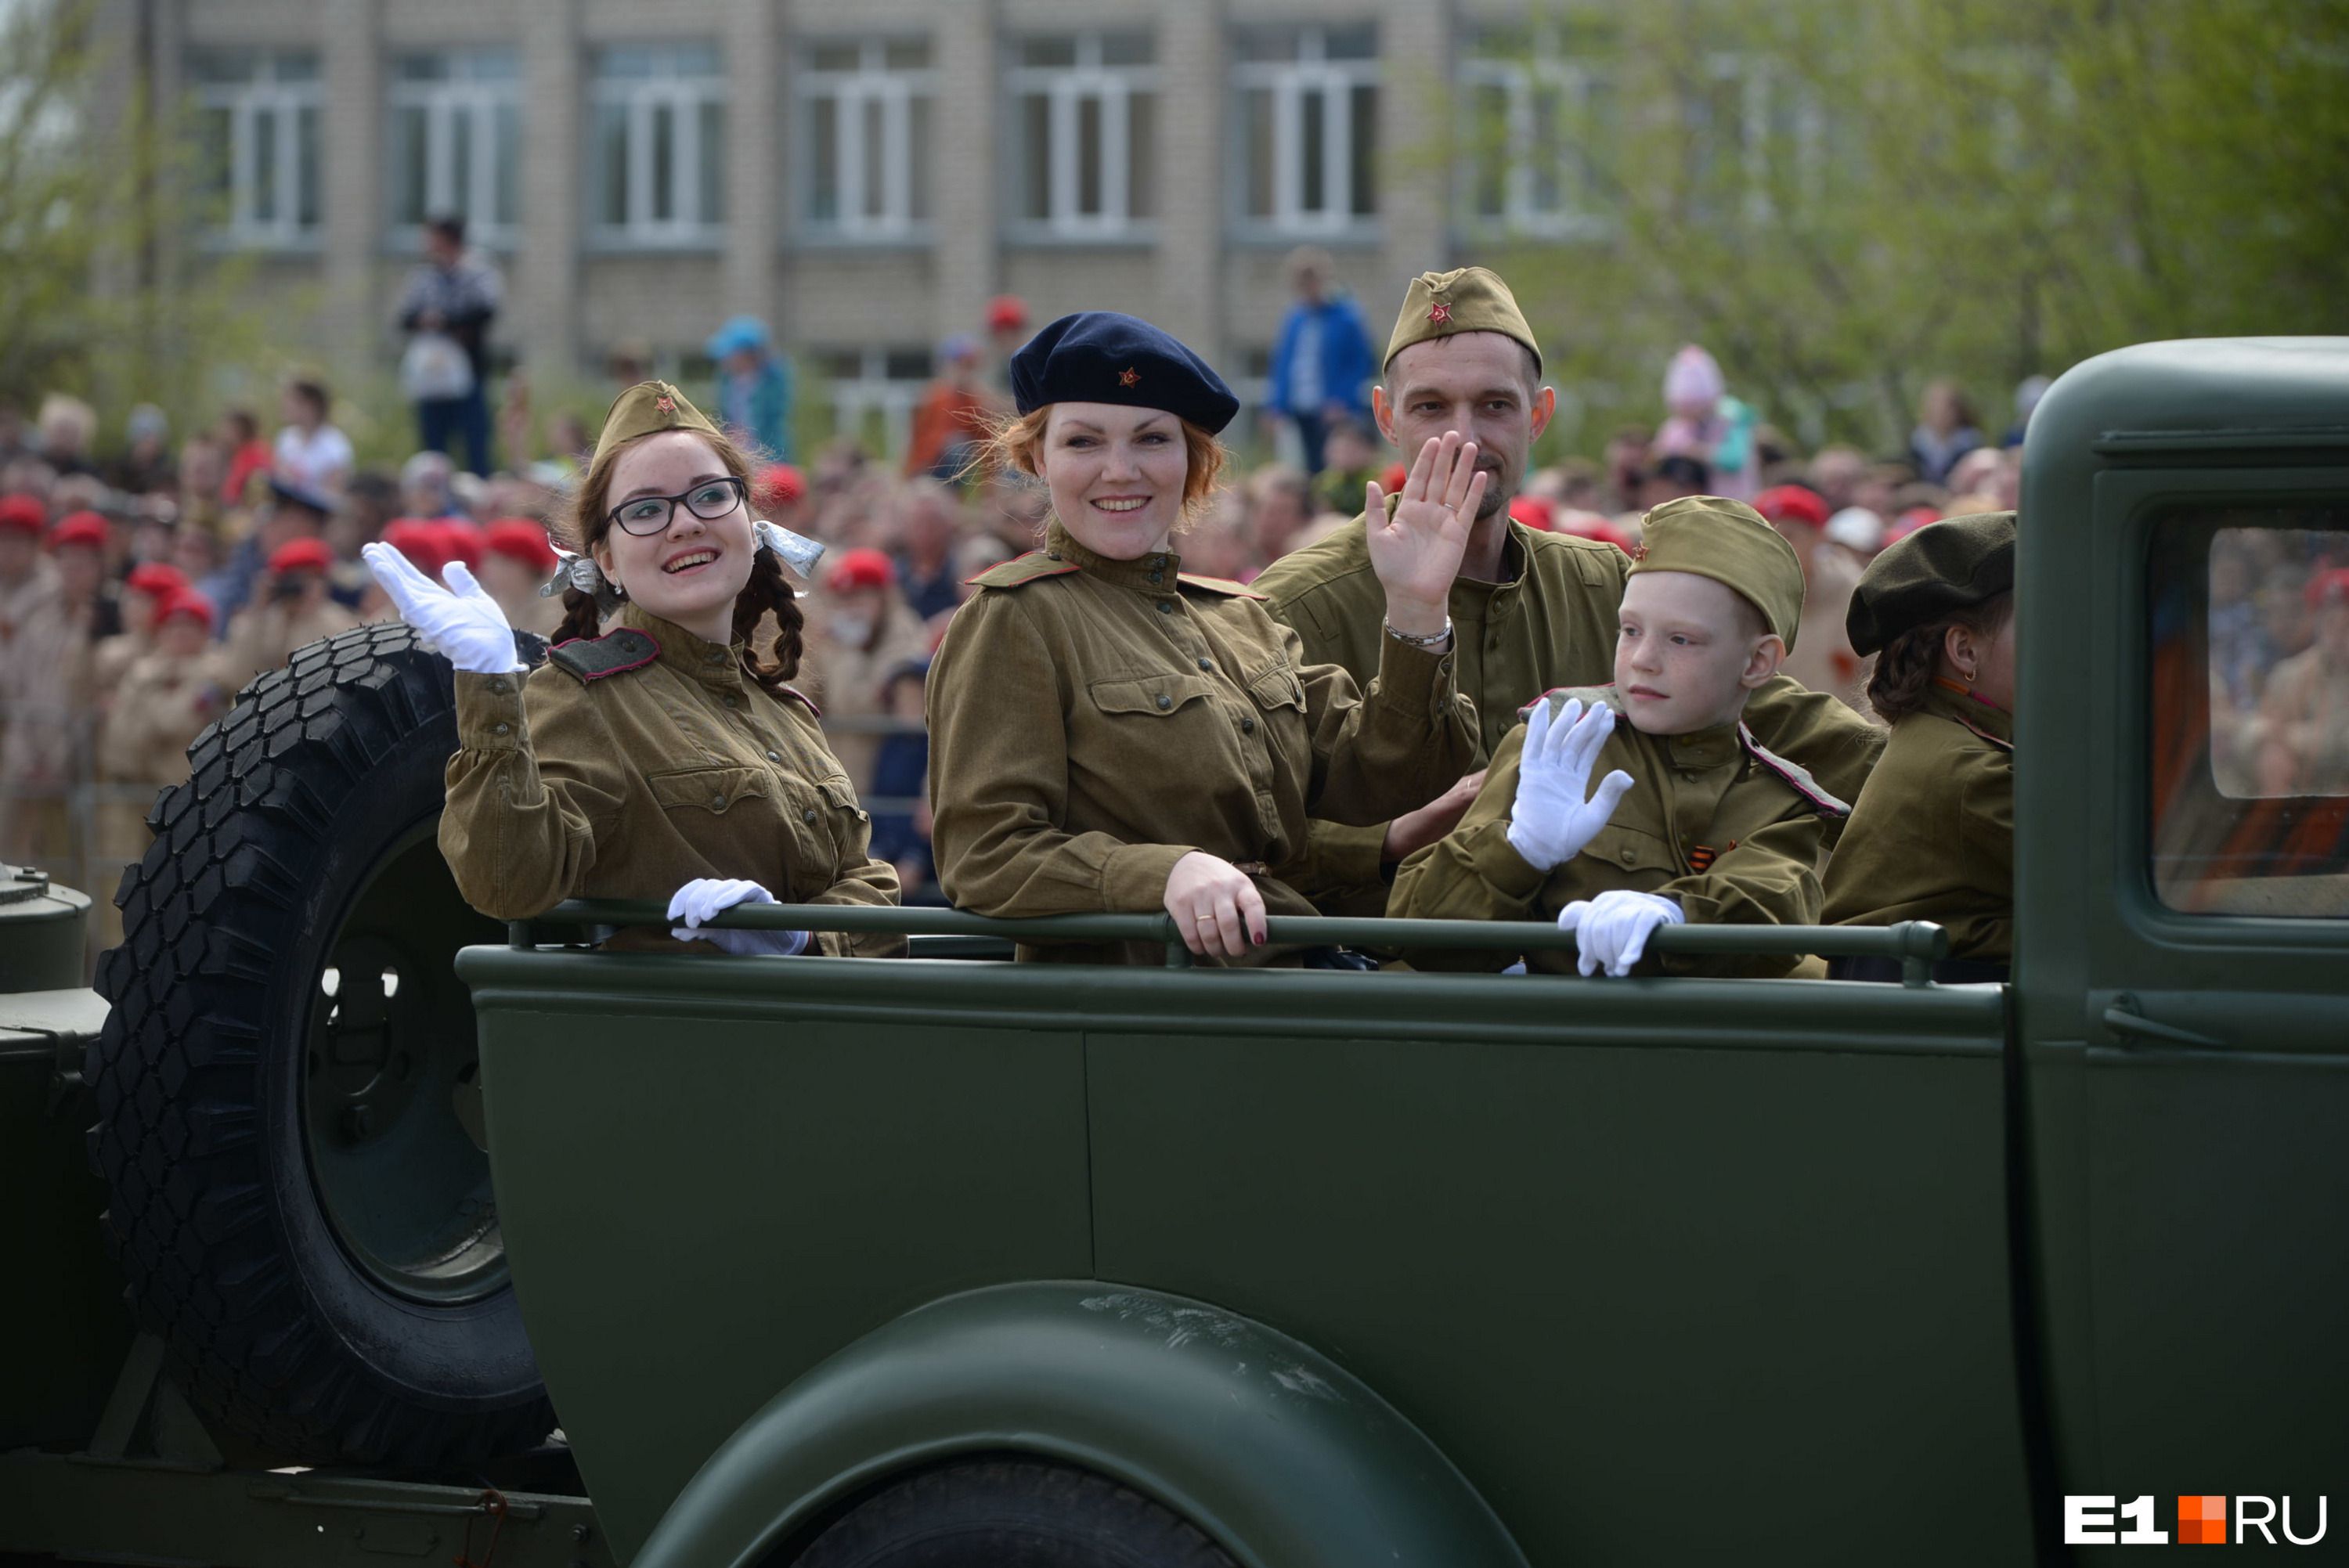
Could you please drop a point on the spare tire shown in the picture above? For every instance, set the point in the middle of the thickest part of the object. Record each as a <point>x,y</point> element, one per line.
<point>288,1121</point>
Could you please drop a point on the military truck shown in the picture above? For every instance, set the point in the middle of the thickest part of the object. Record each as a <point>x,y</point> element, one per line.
<point>821,1261</point>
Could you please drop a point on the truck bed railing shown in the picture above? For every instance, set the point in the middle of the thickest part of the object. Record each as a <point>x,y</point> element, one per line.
<point>1915,944</point>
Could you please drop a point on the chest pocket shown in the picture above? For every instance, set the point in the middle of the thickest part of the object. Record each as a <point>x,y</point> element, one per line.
<point>1277,688</point>
<point>840,795</point>
<point>1156,696</point>
<point>1635,850</point>
<point>712,789</point>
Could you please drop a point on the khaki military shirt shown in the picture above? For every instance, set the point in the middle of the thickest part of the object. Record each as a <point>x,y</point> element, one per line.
<point>161,706</point>
<point>264,635</point>
<point>629,783</point>
<point>1093,721</point>
<point>1552,624</point>
<point>1712,820</point>
<point>1932,836</point>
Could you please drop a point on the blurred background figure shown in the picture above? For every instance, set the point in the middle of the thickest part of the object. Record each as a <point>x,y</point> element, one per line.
<point>1708,425</point>
<point>754,387</point>
<point>901,773</point>
<point>425,488</point>
<point>310,452</point>
<point>147,465</point>
<point>289,609</point>
<point>45,688</point>
<point>779,496</point>
<point>1350,458</point>
<point>286,514</point>
<point>1822,657</point>
<point>2303,718</point>
<point>951,418</point>
<point>1007,329</point>
<point>859,632</point>
<point>447,308</point>
<point>248,454</point>
<point>930,518</point>
<point>1279,505</point>
<point>1321,360</point>
<point>2027,393</point>
<point>143,591</point>
<point>68,427</point>
<point>1945,430</point>
<point>517,558</point>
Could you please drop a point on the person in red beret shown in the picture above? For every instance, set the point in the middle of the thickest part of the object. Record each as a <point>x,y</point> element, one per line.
<point>28,581</point>
<point>1007,329</point>
<point>54,616</point>
<point>462,539</point>
<point>145,588</point>
<point>516,560</point>
<point>1536,512</point>
<point>860,629</point>
<point>781,490</point>
<point>167,696</point>
<point>290,610</point>
<point>1822,660</point>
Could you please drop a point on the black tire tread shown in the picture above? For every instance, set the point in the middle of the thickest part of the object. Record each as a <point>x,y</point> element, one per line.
<point>207,914</point>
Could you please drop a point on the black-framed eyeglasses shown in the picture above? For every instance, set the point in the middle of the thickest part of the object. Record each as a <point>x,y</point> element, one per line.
<point>708,500</point>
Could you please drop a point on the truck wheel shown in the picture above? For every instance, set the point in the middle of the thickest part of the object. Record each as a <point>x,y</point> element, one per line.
<point>287,1115</point>
<point>995,1513</point>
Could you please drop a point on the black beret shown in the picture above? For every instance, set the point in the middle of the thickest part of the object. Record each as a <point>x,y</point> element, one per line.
<point>1943,567</point>
<point>1102,356</point>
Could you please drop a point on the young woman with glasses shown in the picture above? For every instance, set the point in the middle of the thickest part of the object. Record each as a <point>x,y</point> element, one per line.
<point>661,757</point>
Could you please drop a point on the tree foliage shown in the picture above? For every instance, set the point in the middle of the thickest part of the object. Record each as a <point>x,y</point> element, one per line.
<point>104,291</point>
<point>1844,198</point>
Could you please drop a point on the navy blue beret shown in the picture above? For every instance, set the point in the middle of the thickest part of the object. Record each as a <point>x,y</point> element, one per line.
<point>1102,356</point>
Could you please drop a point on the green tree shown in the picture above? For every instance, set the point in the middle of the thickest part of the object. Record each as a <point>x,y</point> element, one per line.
<point>101,291</point>
<point>1844,198</point>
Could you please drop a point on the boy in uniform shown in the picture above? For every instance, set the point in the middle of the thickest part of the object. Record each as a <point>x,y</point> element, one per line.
<point>1697,821</point>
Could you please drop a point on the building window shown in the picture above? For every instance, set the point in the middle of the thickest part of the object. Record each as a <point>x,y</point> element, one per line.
<point>258,117</point>
<point>456,142</point>
<point>873,393</point>
<point>1084,109</point>
<point>865,139</point>
<point>1539,134</point>
<point>657,145</point>
<point>1307,119</point>
<point>1756,141</point>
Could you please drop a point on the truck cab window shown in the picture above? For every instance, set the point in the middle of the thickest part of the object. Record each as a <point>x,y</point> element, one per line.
<point>2249,626</point>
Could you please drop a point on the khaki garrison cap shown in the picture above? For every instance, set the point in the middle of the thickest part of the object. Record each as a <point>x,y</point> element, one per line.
<point>1943,567</point>
<point>647,406</point>
<point>1468,299</point>
<point>1734,545</point>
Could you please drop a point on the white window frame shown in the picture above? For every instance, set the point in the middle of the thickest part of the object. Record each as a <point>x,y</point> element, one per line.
<point>1288,81</point>
<point>459,94</point>
<point>246,102</point>
<point>1580,212</point>
<point>641,98</point>
<point>872,388</point>
<point>1064,87</point>
<point>1758,81</point>
<point>872,80</point>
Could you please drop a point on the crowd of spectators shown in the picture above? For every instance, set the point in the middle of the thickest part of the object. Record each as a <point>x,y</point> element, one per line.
<point>140,591</point>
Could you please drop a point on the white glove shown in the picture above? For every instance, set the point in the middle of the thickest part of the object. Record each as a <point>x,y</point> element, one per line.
<point>1550,820</point>
<point>702,897</point>
<point>461,622</point>
<point>1612,929</point>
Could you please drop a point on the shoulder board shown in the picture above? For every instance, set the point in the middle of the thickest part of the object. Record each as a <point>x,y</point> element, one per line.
<point>1021,569</point>
<point>803,698</point>
<point>2007,746</point>
<point>1794,776</point>
<point>1224,585</point>
<point>1590,696</point>
<point>593,658</point>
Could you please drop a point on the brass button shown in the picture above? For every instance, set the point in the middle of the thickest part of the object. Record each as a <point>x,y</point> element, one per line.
<point>775,757</point>
<point>500,728</point>
<point>808,815</point>
<point>1164,702</point>
<point>1247,727</point>
<point>1165,608</point>
<point>718,801</point>
<point>499,685</point>
<point>1158,577</point>
<point>1627,854</point>
<point>1207,664</point>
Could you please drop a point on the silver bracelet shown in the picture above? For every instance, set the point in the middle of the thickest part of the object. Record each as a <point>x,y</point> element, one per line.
<point>1434,641</point>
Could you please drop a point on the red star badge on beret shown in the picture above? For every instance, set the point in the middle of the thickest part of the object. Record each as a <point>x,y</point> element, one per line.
<point>1128,376</point>
<point>1440,314</point>
<point>664,402</point>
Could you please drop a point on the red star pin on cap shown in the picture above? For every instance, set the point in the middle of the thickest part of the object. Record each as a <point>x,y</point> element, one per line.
<point>664,402</point>
<point>1128,376</point>
<point>1440,314</point>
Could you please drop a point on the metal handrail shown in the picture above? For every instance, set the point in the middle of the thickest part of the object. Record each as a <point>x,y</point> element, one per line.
<point>1915,943</point>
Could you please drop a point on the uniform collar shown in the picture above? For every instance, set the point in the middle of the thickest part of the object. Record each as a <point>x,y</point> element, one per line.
<point>1701,748</point>
<point>1152,573</point>
<point>710,664</point>
<point>1471,594</point>
<point>1965,707</point>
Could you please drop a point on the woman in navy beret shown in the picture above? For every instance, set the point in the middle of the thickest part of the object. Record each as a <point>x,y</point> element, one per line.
<point>1111,734</point>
